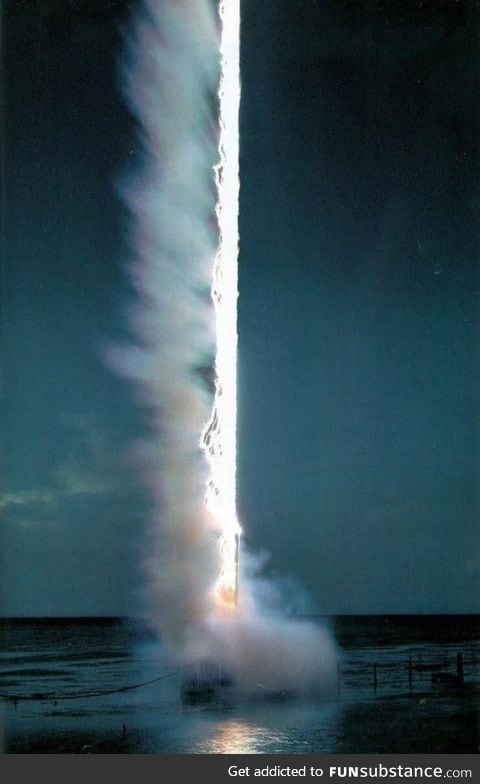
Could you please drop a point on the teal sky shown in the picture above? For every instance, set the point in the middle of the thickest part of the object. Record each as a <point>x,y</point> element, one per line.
<point>358,309</point>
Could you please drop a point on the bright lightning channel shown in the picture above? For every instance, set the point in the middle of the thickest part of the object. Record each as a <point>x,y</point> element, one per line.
<point>218,439</point>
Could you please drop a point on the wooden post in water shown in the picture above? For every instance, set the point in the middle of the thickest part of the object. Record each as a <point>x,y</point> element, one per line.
<point>375,677</point>
<point>460,668</point>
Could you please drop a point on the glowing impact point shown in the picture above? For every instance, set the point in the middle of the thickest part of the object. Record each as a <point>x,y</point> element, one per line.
<point>218,439</point>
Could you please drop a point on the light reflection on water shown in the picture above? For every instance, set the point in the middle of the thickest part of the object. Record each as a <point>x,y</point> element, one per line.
<point>295,728</point>
<point>236,737</point>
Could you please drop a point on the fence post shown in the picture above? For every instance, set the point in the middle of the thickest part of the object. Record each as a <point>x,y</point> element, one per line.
<point>460,668</point>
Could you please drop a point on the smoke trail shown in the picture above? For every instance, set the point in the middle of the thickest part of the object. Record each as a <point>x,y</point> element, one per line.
<point>170,75</point>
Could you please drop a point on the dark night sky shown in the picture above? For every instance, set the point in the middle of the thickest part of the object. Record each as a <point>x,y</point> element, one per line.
<point>358,310</point>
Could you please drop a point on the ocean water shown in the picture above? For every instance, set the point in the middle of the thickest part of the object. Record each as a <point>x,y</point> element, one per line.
<point>64,686</point>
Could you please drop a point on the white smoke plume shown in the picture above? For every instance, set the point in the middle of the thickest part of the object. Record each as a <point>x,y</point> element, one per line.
<point>170,77</point>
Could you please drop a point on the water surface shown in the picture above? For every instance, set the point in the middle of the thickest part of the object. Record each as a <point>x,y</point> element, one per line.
<point>384,700</point>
